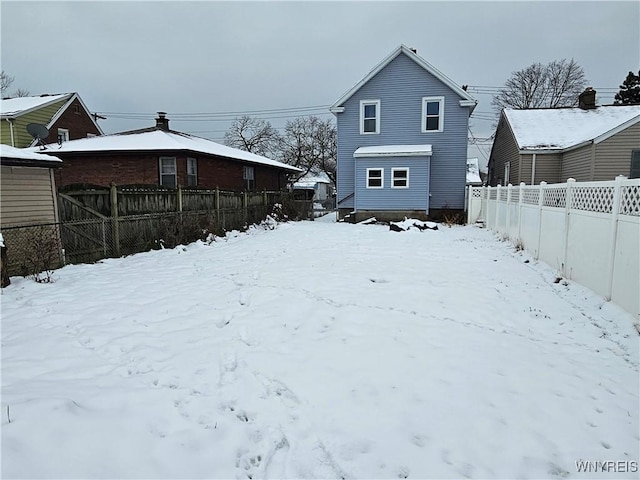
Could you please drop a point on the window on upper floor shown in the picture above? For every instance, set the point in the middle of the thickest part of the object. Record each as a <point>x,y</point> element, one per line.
<point>400,177</point>
<point>168,175</point>
<point>375,178</point>
<point>192,172</point>
<point>63,135</point>
<point>369,116</point>
<point>432,114</point>
<point>635,164</point>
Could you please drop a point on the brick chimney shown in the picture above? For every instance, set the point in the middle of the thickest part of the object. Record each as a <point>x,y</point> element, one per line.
<point>162,122</point>
<point>587,99</point>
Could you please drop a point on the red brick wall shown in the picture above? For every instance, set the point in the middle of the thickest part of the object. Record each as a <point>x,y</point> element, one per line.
<point>124,169</point>
<point>75,119</point>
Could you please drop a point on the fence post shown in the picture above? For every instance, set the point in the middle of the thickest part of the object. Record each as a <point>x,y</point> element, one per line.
<point>521,191</point>
<point>540,204</point>
<point>615,211</point>
<point>245,206</point>
<point>567,207</point>
<point>114,219</point>
<point>179,198</point>
<point>496,223</point>
<point>508,220</point>
<point>469,197</point>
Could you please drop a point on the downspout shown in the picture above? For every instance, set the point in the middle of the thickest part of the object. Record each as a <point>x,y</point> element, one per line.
<point>533,170</point>
<point>10,120</point>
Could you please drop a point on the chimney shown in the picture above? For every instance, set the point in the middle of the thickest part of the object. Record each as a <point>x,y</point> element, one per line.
<point>162,122</point>
<point>587,99</point>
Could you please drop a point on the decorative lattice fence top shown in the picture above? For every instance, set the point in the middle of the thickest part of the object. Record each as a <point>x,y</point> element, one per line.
<point>587,196</point>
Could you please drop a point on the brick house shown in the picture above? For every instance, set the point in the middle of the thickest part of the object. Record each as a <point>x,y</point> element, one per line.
<point>65,116</point>
<point>161,156</point>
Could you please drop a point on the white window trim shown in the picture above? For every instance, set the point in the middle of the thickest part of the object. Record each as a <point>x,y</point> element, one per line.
<point>424,114</point>
<point>507,172</point>
<point>381,170</point>
<point>399,169</point>
<point>175,168</point>
<point>362,105</point>
<point>65,132</point>
<point>195,174</point>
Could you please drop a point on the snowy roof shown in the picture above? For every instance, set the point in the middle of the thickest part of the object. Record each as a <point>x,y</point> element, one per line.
<point>7,151</point>
<point>161,140</point>
<point>466,99</point>
<point>473,171</point>
<point>393,151</point>
<point>564,128</point>
<point>310,181</point>
<point>22,105</point>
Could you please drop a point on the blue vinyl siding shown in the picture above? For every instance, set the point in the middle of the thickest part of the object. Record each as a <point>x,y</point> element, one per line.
<point>400,87</point>
<point>416,197</point>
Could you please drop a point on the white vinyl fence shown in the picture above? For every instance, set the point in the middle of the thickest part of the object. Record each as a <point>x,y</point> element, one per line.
<point>589,231</point>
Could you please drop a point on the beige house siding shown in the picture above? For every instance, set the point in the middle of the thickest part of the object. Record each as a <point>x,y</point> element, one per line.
<point>504,150</point>
<point>21,137</point>
<point>548,168</point>
<point>613,156</point>
<point>577,164</point>
<point>26,196</point>
<point>525,169</point>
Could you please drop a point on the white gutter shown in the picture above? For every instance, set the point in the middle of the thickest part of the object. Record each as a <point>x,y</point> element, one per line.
<point>533,170</point>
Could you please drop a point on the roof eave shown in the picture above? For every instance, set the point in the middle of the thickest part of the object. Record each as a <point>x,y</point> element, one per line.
<point>417,59</point>
<point>25,162</point>
<point>616,130</point>
<point>33,109</point>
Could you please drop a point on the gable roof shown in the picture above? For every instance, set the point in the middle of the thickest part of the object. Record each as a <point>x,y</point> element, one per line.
<point>21,156</point>
<point>560,129</point>
<point>466,99</point>
<point>161,140</point>
<point>16,107</point>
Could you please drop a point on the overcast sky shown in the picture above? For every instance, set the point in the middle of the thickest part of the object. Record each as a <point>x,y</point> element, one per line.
<point>213,57</point>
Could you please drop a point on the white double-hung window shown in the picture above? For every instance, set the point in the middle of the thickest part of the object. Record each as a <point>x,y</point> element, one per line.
<point>375,178</point>
<point>432,114</point>
<point>369,116</point>
<point>192,172</point>
<point>168,173</point>
<point>400,177</point>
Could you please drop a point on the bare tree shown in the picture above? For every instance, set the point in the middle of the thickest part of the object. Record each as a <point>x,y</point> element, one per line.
<point>253,135</point>
<point>554,85</point>
<point>21,92</point>
<point>5,82</point>
<point>310,144</point>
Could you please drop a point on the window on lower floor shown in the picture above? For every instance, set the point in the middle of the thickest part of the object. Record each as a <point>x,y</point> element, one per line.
<point>635,164</point>
<point>192,172</point>
<point>507,173</point>
<point>248,175</point>
<point>399,178</point>
<point>63,135</point>
<point>168,177</point>
<point>375,178</point>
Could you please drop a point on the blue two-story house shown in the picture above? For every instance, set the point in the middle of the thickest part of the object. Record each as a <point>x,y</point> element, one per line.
<point>402,141</point>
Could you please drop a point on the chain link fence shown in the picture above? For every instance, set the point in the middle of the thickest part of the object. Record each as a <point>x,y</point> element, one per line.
<point>36,250</point>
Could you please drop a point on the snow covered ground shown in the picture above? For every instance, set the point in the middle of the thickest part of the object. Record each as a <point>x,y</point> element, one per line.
<point>317,350</point>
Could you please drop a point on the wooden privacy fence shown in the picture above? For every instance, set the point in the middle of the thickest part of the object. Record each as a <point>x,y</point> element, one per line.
<point>588,231</point>
<point>98,223</point>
